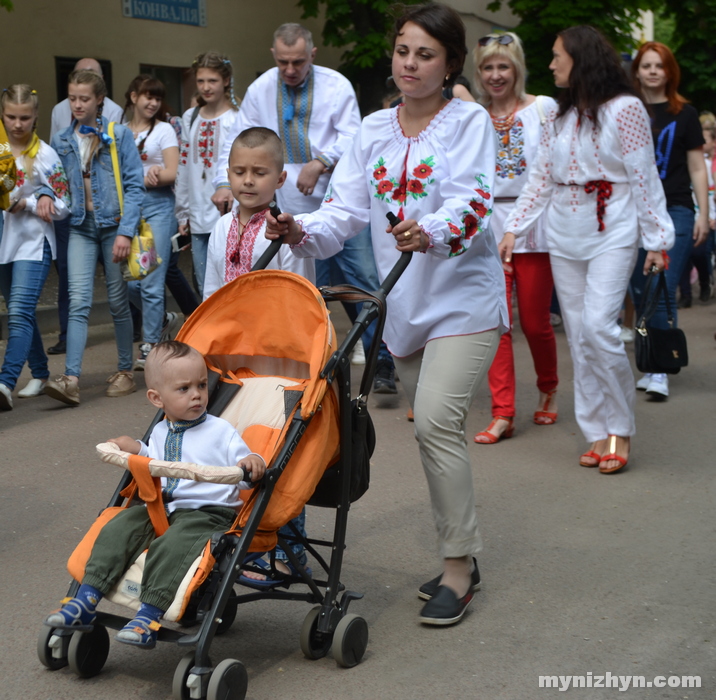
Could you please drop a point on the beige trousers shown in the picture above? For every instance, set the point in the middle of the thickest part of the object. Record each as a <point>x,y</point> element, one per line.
<point>441,381</point>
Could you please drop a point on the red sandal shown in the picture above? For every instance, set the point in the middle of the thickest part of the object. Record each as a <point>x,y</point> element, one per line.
<point>612,456</point>
<point>543,416</point>
<point>487,438</point>
<point>591,454</point>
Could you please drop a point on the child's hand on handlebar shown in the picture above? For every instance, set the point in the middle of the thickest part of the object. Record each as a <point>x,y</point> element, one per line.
<point>254,467</point>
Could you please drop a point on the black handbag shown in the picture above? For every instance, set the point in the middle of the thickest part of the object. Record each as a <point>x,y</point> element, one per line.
<point>658,350</point>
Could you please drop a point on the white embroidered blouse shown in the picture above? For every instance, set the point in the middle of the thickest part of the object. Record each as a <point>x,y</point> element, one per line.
<point>199,152</point>
<point>24,233</point>
<point>516,152</point>
<point>443,179</point>
<point>575,168</point>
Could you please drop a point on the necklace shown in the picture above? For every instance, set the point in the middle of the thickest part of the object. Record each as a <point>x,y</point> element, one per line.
<point>503,125</point>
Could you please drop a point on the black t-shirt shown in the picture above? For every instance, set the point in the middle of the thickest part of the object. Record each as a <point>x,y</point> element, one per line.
<point>674,135</point>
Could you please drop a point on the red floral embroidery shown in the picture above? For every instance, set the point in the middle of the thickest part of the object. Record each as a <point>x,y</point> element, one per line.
<point>379,173</point>
<point>20,181</point>
<point>470,226</point>
<point>479,207</point>
<point>384,186</point>
<point>422,171</point>
<point>415,186</point>
<point>454,229</point>
<point>399,194</point>
<point>483,194</point>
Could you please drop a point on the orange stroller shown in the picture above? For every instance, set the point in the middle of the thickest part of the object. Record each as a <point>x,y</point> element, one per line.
<point>277,375</point>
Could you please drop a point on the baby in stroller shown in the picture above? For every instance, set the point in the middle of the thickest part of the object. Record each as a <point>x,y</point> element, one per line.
<point>176,377</point>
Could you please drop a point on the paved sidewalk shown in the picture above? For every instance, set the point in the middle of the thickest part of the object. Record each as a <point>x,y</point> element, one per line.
<point>583,573</point>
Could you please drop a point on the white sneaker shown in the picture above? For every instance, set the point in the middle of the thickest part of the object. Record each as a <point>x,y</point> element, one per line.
<point>626,335</point>
<point>34,387</point>
<point>358,356</point>
<point>172,324</point>
<point>5,398</point>
<point>644,382</point>
<point>658,387</point>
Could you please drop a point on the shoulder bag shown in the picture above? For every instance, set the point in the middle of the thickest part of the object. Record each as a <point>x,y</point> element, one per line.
<point>143,258</point>
<point>658,350</point>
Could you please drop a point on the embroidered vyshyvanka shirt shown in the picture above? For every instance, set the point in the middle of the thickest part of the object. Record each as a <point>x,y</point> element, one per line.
<point>233,252</point>
<point>316,120</point>
<point>199,154</point>
<point>24,233</point>
<point>442,178</point>
<point>516,152</point>
<point>570,157</point>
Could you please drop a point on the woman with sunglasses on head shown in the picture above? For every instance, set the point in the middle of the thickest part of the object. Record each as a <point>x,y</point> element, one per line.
<point>431,162</point>
<point>678,141</point>
<point>518,119</point>
<point>596,177</point>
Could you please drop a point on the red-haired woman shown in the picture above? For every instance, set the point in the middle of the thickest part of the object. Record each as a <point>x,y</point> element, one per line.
<point>680,160</point>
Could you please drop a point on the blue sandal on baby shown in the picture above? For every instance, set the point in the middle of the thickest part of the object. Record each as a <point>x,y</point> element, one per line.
<point>273,578</point>
<point>74,615</point>
<point>140,632</point>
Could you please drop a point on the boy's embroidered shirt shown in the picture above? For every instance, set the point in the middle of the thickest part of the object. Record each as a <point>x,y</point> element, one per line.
<point>240,244</point>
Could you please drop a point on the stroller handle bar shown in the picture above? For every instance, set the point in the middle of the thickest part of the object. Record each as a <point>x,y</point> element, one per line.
<point>110,453</point>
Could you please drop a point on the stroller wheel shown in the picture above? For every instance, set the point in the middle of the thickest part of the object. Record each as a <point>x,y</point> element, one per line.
<point>88,651</point>
<point>180,690</point>
<point>229,681</point>
<point>350,640</point>
<point>52,647</point>
<point>314,644</point>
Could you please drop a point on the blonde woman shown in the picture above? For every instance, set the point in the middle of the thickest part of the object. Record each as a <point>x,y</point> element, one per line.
<point>518,119</point>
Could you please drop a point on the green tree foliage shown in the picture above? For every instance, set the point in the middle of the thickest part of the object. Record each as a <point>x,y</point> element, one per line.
<point>363,26</point>
<point>540,20</point>
<point>7,4</point>
<point>694,44</point>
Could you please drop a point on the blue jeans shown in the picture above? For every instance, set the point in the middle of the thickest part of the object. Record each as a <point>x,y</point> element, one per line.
<point>679,257</point>
<point>148,294</point>
<point>355,265</point>
<point>21,283</point>
<point>86,241</point>
<point>199,249</point>
<point>300,522</point>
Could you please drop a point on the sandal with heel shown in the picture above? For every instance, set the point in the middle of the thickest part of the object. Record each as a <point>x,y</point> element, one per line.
<point>487,438</point>
<point>612,456</point>
<point>543,416</point>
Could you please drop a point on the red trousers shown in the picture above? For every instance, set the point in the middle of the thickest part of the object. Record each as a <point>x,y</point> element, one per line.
<point>532,275</point>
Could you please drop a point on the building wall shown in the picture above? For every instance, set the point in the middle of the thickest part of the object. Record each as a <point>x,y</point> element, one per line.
<point>37,31</point>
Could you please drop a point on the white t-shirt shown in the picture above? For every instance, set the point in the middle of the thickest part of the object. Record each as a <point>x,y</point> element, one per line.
<point>153,144</point>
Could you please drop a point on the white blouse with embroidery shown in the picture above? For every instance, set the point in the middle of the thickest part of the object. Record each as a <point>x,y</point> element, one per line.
<point>574,159</point>
<point>24,233</point>
<point>514,159</point>
<point>442,178</point>
<point>199,153</point>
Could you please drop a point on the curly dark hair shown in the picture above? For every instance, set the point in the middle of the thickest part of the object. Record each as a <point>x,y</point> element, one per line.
<point>597,74</point>
<point>442,23</point>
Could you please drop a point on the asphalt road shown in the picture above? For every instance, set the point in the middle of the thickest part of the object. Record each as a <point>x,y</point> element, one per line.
<point>582,573</point>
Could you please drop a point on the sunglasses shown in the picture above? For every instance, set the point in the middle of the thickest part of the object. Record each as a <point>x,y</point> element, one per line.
<point>503,39</point>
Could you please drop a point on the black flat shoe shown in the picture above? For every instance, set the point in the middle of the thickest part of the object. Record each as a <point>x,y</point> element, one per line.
<point>445,608</point>
<point>59,349</point>
<point>427,590</point>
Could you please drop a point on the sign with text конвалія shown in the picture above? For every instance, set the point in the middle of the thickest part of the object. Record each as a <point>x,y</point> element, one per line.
<point>191,12</point>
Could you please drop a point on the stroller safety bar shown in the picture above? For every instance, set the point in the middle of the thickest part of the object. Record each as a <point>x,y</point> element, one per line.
<point>110,453</point>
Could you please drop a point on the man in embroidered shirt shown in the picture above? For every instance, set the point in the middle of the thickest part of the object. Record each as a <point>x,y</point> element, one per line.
<point>313,110</point>
<point>315,113</point>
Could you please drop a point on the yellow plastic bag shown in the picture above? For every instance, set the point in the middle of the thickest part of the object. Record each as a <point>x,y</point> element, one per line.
<point>143,258</point>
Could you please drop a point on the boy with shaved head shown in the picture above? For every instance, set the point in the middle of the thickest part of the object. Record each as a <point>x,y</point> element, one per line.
<point>176,378</point>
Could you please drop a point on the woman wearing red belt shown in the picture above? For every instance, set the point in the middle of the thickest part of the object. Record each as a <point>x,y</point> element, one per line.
<point>518,119</point>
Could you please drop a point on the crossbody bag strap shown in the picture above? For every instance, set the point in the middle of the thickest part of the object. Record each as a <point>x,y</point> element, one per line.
<point>115,167</point>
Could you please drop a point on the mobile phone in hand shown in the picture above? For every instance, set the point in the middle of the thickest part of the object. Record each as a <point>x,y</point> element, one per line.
<point>180,241</point>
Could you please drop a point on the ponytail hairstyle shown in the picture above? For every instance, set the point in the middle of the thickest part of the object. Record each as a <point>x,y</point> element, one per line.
<point>222,65</point>
<point>21,94</point>
<point>99,89</point>
<point>145,85</point>
<point>671,68</point>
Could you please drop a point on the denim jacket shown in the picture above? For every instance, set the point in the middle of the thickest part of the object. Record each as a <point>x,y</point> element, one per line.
<point>104,189</point>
